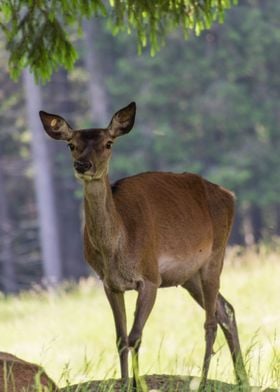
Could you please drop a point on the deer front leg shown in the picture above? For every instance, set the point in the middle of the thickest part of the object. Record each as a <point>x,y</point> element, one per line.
<point>116,300</point>
<point>145,302</point>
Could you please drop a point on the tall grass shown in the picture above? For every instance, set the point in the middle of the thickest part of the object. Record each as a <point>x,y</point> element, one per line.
<point>70,332</point>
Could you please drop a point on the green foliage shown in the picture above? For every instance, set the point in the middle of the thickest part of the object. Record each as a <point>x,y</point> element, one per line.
<point>37,32</point>
<point>153,20</point>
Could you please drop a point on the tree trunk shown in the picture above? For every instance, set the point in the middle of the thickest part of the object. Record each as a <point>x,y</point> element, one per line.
<point>236,238</point>
<point>277,214</point>
<point>256,216</point>
<point>8,277</point>
<point>68,206</point>
<point>247,225</point>
<point>44,189</point>
<point>96,87</point>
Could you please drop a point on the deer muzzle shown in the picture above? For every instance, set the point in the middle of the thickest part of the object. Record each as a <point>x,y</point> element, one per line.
<point>82,166</point>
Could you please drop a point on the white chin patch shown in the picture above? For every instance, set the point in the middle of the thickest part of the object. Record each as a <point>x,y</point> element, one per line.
<point>84,177</point>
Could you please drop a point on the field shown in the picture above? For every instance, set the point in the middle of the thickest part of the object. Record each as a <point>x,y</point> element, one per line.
<point>70,331</point>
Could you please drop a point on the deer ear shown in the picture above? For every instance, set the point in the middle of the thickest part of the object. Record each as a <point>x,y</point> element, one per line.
<point>55,126</point>
<point>123,121</point>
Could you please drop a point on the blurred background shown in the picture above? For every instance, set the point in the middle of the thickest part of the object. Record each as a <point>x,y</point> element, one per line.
<point>209,105</point>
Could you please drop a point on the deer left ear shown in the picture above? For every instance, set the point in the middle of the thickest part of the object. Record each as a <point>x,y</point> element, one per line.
<point>55,126</point>
<point>123,121</point>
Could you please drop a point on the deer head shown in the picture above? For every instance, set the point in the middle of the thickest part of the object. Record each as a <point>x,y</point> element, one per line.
<point>90,148</point>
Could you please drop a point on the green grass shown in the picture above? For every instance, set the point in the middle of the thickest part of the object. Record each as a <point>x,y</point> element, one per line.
<point>71,332</point>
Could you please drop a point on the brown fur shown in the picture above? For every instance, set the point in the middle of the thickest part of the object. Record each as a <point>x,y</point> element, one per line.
<point>151,208</point>
<point>152,230</point>
<point>17,375</point>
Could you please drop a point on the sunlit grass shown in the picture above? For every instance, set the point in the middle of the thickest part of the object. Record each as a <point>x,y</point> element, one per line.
<point>71,332</point>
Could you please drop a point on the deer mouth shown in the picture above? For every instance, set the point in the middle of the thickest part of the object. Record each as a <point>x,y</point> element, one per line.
<point>88,175</point>
<point>84,176</point>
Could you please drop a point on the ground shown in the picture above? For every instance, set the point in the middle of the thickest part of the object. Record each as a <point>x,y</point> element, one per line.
<point>160,383</point>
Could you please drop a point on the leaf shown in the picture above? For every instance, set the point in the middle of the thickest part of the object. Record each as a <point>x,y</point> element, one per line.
<point>150,20</point>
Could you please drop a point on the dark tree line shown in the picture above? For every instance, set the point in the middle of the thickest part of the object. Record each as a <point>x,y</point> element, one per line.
<point>209,105</point>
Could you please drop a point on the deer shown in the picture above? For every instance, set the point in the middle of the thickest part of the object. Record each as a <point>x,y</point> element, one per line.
<point>19,375</point>
<point>151,230</point>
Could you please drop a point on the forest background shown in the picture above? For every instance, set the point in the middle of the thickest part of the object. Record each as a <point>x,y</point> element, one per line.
<point>208,105</point>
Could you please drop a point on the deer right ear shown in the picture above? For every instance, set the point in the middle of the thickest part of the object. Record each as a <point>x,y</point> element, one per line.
<point>55,126</point>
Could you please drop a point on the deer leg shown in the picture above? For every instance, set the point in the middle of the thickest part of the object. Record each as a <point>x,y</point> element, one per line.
<point>116,300</point>
<point>145,302</point>
<point>210,292</point>
<point>205,291</point>
<point>226,320</point>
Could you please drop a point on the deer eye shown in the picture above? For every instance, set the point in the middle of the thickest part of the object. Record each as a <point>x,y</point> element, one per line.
<point>109,145</point>
<point>71,146</point>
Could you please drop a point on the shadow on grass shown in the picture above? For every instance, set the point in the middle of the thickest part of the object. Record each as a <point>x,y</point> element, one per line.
<point>159,383</point>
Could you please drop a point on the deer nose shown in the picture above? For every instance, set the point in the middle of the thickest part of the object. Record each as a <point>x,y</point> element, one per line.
<point>82,166</point>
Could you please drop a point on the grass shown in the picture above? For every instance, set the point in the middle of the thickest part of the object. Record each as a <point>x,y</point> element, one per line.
<point>70,332</point>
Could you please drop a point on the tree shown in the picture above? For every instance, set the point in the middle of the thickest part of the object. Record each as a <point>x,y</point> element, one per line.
<point>47,214</point>
<point>34,30</point>
<point>67,204</point>
<point>98,101</point>
<point>7,257</point>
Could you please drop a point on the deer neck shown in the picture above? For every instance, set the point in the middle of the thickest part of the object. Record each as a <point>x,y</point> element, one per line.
<point>107,239</point>
<point>102,221</point>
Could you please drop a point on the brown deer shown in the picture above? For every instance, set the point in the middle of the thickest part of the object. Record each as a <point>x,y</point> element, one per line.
<point>151,230</point>
<point>17,375</point>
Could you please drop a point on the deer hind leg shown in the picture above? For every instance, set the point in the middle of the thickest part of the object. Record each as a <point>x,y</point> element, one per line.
<point>145,302</point>
<point>210,291</point>
<point>116,300</point>
<point>227,321</point>
<point>205,294</point>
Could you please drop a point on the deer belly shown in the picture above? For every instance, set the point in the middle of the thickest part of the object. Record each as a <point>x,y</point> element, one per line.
<point>175,271</point>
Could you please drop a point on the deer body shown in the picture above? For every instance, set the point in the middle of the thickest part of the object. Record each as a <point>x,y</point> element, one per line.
<point>151,209</point>
<point>151,230</point>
